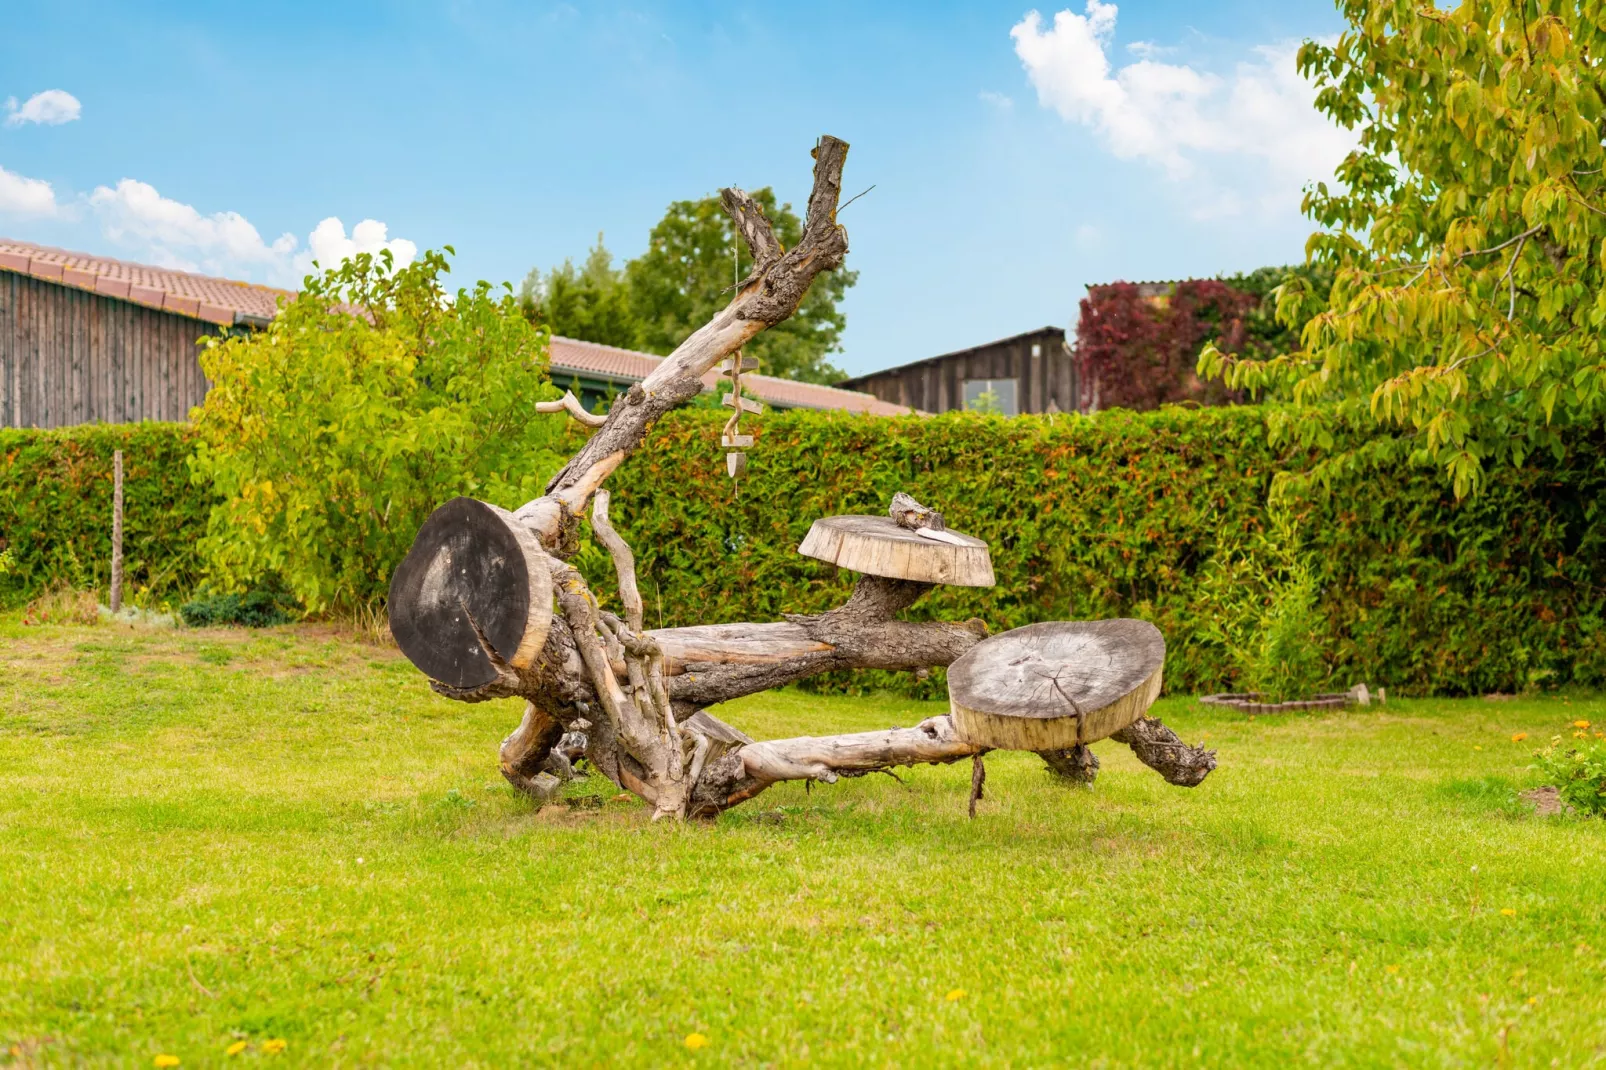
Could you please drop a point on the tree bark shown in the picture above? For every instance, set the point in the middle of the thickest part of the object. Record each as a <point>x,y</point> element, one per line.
<point>634,699</point>
<point>1159,748</point>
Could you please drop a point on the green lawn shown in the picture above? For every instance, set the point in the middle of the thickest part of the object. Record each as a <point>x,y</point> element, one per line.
<point>208,837</point>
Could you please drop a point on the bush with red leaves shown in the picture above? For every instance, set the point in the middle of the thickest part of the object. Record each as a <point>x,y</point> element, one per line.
<point>1138,352</point>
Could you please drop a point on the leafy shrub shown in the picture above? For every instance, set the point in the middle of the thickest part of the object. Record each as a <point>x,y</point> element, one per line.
<point>1577,768</point>
<point>1125,514</point>
<point>1268,624</point>
<point>254,609</point>
<point>370,400</point>
<point>56,511</point>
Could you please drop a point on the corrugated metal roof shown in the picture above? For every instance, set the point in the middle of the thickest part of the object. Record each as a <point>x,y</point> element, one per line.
<point>227,301</point>
<point>1060,331</point>
<point>627,366</point>
<point>182,293</point>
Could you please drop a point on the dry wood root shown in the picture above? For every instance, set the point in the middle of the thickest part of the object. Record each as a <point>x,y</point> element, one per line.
<point>1077,764</point>
<point>1159,748</point>
<point>633,699</point>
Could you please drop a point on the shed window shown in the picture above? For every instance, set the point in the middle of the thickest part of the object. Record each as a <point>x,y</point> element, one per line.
<point>991,395</point>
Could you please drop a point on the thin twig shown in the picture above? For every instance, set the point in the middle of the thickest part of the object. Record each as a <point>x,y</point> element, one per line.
<point>853,198</point>
<point>1511,308</point>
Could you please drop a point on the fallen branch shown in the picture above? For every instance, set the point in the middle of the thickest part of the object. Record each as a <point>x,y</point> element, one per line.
<point>571,404</point>
<point>473,605</point>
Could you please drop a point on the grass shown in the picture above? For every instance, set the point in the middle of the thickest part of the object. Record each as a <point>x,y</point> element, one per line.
<point>214,836</point>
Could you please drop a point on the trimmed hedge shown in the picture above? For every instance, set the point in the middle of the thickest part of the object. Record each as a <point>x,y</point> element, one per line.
<point>56,510</point>
<point>1118,515</point>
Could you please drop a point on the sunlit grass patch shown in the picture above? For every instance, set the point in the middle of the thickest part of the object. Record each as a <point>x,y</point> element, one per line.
<point>214,838</point>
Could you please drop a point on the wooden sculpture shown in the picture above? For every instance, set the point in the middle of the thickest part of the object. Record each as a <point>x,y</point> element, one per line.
<point>487,604</point>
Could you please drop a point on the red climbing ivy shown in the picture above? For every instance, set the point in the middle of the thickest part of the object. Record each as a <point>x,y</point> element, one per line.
<point>1139,352</point>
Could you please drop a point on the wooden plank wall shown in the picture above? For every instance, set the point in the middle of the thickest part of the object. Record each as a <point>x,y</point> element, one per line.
<point>937,385</point>
<point>68,356</point>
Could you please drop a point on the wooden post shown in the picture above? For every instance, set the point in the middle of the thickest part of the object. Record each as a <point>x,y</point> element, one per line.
<point>117,531</point>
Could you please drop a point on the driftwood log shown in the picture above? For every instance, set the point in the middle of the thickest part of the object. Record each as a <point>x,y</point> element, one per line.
<point>487,604</point>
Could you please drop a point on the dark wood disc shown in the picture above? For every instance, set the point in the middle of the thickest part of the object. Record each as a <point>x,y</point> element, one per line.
<point>470,559</point>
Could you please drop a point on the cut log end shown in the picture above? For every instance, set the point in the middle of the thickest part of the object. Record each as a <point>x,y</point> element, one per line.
<point>880,546</point>
<point>474,591</point>
<point>1054,686</point>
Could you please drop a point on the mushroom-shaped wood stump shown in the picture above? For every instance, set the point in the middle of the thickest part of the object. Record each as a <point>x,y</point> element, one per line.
<point>1056,685</point>
<point>883,546</point>
<point>1053,688</point>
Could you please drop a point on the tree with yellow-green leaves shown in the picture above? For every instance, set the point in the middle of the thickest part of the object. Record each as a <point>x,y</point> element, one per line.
<point>1466,236</point>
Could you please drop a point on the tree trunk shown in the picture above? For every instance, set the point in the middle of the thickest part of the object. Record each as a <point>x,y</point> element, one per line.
<point>473,603</point>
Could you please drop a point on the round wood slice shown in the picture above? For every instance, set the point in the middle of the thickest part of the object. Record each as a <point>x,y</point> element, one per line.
<point>878,546</point>
<point>471,559</point>
<point>1051,686</point>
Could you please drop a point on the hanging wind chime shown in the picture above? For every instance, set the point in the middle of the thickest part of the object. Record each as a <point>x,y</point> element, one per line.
<point>732,439</point>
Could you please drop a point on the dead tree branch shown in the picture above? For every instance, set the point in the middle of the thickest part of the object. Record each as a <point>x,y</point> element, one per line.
<point>571,404</point>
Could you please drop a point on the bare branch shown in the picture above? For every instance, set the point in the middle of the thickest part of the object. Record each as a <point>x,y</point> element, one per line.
<point>571,404</point>
<point>771,295</point>
<point>825,758</point>
<point>754,227</point>
<point>624,562</point>
<point>1159,748</point>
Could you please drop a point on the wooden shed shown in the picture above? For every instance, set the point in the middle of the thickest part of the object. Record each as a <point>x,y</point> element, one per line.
<point>1031,372</point>
<point>87,339</point>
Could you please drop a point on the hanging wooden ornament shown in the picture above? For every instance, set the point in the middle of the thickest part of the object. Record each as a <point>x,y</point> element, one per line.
<point>732,439</point>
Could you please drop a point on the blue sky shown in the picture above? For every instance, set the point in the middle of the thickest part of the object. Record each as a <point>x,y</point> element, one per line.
<point>1138,140</point>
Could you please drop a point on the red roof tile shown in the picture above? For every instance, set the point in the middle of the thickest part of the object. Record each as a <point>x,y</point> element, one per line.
<point>181,292</point>
<point>610,362</point>
<point>227,301</point>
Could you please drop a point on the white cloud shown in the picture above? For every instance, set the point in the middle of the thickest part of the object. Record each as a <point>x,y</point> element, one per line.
<point>997,100</point>
<point>1190,123</point>
<point>50,108</point>
<point>26,196</point>
<point>1148,49</point>
<point>328,244</point>
<point>173,234</point>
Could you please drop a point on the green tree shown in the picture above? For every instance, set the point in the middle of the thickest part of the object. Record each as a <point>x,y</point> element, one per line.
<point>1465,237</point>
<point>1264,331</point>
<point>686,274</point>
<point>370,399</point>
<point>591,303</point>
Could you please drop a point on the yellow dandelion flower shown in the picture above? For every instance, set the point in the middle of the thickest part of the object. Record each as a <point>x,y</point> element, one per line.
<point>1508,912</point>
<point>1533,1001</point>
<point>273,1047</point>
<point>236,1048</point>
<point>955,994</point>
<point>165,1060</point>
<point>1392,969</point>
<point>1518,737</point>
<point>1580,724</point>
<point>1476,747</point>
<point>696,1041</point>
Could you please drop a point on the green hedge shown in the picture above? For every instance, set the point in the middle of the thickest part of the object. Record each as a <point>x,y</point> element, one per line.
<point>56,510</point>
<point>1121,514</point>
